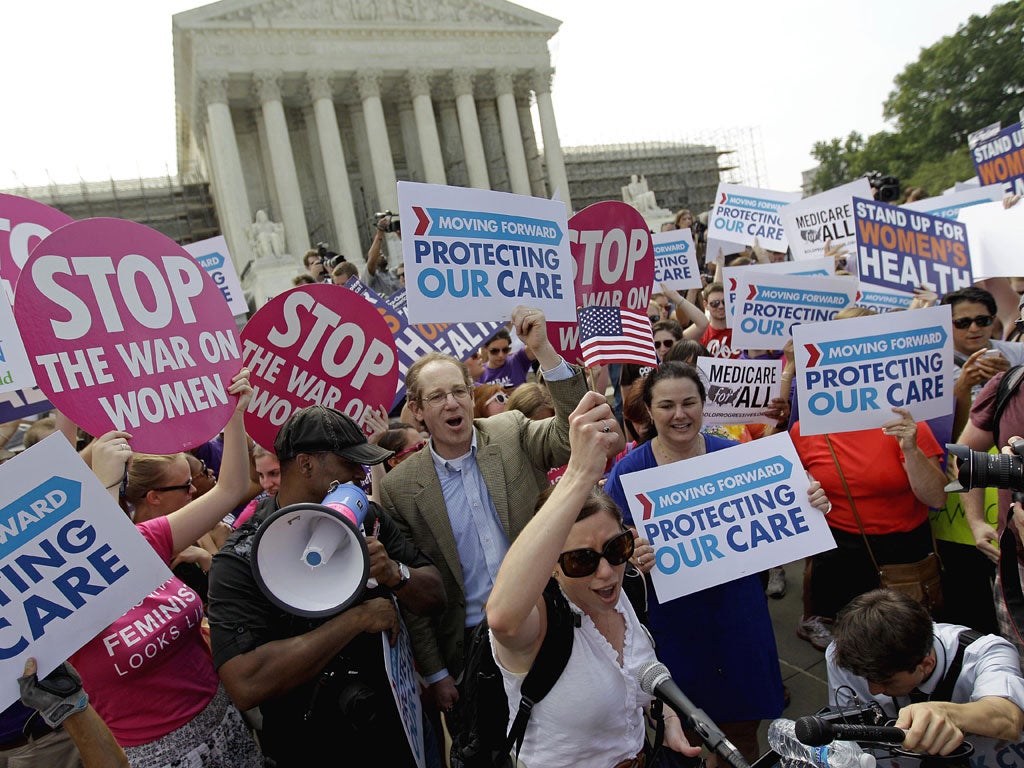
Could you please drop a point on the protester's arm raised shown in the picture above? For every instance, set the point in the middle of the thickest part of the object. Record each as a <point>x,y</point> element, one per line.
<point>197,517</point>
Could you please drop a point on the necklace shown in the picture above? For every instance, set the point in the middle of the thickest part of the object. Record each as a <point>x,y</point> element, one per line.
<point>670,456</point>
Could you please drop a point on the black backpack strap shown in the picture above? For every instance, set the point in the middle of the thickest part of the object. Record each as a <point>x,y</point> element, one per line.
<point>1008,386</point>
<point>1009,576</point>
<point>944,690</point>
<point>555,649</point>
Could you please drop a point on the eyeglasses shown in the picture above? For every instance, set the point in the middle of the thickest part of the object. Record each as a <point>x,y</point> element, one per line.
<point>716,303</point>
<point>183,487</point>
<point>203,471</point>
<point>982,321</point>
<point>498,350</point>
<point>666,343</point>
<point>1019,325</point>
<point>438,399</point>
<point>497,397</point>
<point>406,451</point>
<point>577,563</point>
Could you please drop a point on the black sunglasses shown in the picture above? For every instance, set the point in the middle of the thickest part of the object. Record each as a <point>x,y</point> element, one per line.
<point>982,321</point>
<point>664,343</point>
<point>577,563</point>
<point>183,487</point>
<point>1019,325</point>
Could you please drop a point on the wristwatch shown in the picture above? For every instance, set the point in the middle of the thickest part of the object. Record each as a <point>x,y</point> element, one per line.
<point>403,577</point>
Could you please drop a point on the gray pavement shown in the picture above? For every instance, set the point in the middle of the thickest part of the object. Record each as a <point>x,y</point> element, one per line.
<point>803,667</point>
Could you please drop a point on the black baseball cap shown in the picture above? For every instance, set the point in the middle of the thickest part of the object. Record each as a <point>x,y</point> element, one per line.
<point>319,429</point>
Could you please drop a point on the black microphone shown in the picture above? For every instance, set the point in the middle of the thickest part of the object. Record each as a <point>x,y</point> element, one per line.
<point>656,680</point>
<point>817,732</point>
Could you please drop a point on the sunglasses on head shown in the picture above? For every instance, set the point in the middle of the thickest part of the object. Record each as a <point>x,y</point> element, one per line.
<point>411,449</point>
<point>498,396</point>
<point>716,303</point>
<point>577,563</point>
<point>982,321</point>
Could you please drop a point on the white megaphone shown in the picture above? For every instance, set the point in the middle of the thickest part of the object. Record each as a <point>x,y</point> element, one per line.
<point>311,559</point>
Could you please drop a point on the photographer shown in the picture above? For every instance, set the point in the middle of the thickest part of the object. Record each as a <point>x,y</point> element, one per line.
<point>377,276</point>
<point>314,264</point>
<point>885,189</point>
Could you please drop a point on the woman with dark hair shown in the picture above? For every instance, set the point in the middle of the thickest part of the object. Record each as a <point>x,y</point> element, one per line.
<point>594,714</point>
<point>727,662</point>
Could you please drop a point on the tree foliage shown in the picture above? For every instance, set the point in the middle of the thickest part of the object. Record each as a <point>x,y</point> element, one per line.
<point>959,84</point>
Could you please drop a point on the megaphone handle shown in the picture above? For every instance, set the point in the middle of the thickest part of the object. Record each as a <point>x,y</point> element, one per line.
<point>371,583</point>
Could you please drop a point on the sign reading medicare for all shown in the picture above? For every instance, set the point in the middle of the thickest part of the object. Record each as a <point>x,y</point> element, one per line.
<point>475,255</point>
<point>904,250</point>
<point>851,373</point>
<point>675,260</point>
<point>1000,159</point>
<point>745,214</point>
<point>825,218</point>
<point>721,524</point>
<point>70,560</point>
<point>768,306</point>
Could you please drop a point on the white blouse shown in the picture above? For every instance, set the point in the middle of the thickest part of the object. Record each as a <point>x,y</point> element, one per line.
<point>594,714</point>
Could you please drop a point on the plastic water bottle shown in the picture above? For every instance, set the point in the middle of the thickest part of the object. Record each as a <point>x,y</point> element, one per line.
<point>838,754</point>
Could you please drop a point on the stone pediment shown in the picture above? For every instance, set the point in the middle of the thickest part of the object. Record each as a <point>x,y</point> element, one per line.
<point>320,14</point>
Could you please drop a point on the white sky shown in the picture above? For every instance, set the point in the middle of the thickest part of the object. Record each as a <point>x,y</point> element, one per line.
<point>87,88</point>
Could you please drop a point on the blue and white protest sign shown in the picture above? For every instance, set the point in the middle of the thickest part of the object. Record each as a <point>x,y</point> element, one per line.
<point>72,560</point>
<point>15,368</point>
<point>851,373</point>
<point>730,516</point>
<point>821,267</point>
<point>949,205</point>
<point>903,250</point>
<point>882,299</point>
<point>745,214</point>
<point>768,306</point>
<point>826,217</point>
<point>212,255</point>
<point>739,391</point>
<point>459,340</point>
<point>995,235</point>
<point>675,260</point>
<point>1000,159</point>
<point>22,403</point>
<point>475,255</point>
<point>405,687</point>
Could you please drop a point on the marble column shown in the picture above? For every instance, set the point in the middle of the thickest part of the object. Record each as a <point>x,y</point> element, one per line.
<point>558,181</point>
<point>426,128</point>
<point>534,164</point>
<point>368,82</point>
<point>410,141</point>
<point>490,132</point>
<point>233,209</point>
<point>469,127</point>
<point>451,144</point>
<point>286,180</point>
<point>515,157</point>
<point>339,192</point>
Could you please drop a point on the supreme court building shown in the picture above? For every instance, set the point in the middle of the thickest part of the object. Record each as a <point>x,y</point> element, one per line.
<point>310,111</point>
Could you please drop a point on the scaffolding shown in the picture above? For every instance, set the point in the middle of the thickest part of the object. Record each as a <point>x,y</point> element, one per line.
<point>182,210</point>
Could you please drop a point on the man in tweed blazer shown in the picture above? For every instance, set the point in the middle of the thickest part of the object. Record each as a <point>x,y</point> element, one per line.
<point>466,497</point>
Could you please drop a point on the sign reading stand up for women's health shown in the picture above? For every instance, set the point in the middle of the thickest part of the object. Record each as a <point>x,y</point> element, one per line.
<point>126,331</point>
<point>475,255</point>
<point>721,518</point>
<point>851,373</point>
<point>72,560</point>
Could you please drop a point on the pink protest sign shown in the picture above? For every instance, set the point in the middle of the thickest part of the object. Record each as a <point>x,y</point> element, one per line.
<point>126,331</point>
<point>23,223</point>
<point>614,265</point>
<point>316,345</point>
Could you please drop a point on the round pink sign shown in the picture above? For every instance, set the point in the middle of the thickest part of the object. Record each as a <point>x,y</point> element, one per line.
<point>23,223</point>
<point>613,257</point>
<point>316,345</point>
<point>126,331</point>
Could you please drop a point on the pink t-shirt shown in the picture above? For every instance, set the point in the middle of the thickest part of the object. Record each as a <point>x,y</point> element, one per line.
<point>150,672</point>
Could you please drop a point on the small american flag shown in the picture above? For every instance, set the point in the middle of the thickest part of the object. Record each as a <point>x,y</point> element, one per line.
<point>615,335</point>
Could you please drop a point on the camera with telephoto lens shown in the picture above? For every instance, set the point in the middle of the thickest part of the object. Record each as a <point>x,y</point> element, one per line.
<point>391,226</point>
<point>977,469</point>
<point>886,188</point>
<point>328,258</point>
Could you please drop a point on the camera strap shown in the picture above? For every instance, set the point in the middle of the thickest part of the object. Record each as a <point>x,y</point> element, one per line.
<point>1009,577</point>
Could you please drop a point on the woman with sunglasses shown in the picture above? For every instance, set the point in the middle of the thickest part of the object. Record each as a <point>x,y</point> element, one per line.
<point>151,679</point>
<point>593,715</point>
<point>488,400</point>
<point>718,643</point>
